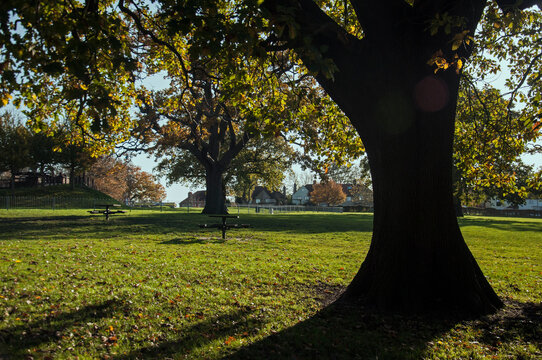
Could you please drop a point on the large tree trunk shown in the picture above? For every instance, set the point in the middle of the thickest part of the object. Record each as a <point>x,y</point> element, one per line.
<point>418,260</point>
<point>404,112</point>
<point>215,196</point>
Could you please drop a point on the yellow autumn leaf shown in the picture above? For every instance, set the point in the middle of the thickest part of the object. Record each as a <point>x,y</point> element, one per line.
<point>458,65</point>
<point>5,98</point>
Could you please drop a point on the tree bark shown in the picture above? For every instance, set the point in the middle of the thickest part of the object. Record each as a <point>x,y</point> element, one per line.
<point>418,260</point>
<point>215,195</point>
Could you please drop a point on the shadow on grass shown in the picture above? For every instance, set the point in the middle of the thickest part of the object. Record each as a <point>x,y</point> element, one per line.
<point>515,321</point>
<point>174,222</point>
<point>193,240</point>
<point>511,224</point>
<point>343,332</point>
<point>29,228</point>
<point>347,332</point>
<point>15,341</point>
<point>197,335</point>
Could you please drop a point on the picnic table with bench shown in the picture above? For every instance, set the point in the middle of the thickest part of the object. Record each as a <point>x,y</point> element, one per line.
<point>224,226</point>
<point>107,211</point>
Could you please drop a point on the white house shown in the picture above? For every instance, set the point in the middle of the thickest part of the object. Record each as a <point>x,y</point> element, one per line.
<point>302,195</point>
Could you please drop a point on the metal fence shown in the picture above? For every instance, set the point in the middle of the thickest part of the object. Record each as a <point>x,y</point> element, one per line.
<point>50,202</point>
<point>503,212</point>
<point>270,209</point>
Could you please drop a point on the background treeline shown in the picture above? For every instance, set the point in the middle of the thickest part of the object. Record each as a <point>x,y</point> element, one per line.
<point>46,157</point>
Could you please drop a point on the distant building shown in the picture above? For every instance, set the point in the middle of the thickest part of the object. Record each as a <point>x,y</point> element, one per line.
<point>196,199</point>
<point>261,195</point>
<point>302,195</point>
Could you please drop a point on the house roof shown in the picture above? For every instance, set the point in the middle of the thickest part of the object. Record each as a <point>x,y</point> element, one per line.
<point>196,196</point>
<point>258,190</point>
<point>277,195</point>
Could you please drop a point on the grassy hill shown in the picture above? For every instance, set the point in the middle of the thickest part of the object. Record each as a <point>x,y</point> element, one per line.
<point>57,196</point>
<point>55,190</point>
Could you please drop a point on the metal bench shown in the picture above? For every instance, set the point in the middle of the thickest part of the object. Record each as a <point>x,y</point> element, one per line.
<point>107,212</point>
<point>224,226</point>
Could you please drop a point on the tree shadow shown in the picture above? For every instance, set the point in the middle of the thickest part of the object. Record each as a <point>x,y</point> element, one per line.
<point>350,332</point>
<point>312,223</point>
<point>516,320</point>
<point>341,331</point>
<point>504,224</point>
<point>197,335</point>
<point>31,228</point>
<point>18,339</point>
<point>193,240</point>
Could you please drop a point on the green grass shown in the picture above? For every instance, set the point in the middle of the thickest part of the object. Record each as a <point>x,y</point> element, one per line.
<point>150,284</point>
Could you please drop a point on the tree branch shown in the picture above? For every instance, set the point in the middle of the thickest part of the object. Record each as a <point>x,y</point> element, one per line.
<point>154,38</point>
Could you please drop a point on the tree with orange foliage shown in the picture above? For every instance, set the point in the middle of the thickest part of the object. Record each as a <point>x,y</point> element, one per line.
<point>329,192</point>
<point>141,186</point>
<point>125,182</point>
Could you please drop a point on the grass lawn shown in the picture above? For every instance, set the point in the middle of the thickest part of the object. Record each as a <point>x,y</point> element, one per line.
<point>150,284</point>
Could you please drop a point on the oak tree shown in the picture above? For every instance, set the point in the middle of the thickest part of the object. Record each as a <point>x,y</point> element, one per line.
<point>398,83</point>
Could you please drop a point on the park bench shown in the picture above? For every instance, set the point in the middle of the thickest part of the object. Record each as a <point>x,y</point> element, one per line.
<point>107,211</point>
<point>224,226</point>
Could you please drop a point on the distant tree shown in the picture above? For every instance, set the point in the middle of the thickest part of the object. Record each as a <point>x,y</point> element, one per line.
<point>300,178</point>
<point>142,186</point>
<point>329,192</point>
<point>209,120</point>
<point>43,154</point>
<point>76,159</point>
<point>362,191</point>
<point>110,176</point>
<point>356,171</point>
<point>14,145</point>
<point>265,162</point>
<point>125,182</point>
